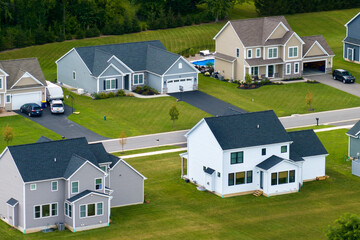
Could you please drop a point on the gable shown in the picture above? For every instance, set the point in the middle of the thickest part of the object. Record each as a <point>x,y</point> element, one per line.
<point>27,80</point>
<point>315,50</point>
<point>227,41</point>
<point>353,27</point>
<point>85,171</point>
<point>119,65</point>
<point>186,67</point>
<point>111,71</point>
<point>278,32</point>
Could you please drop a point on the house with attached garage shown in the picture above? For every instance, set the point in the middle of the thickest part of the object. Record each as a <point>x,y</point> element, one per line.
<point>243,153</point>
<point>352,40</point>
<point>68,182</point>
<point>21,81</point>
<point>126,66</point>
<point>268,48</point>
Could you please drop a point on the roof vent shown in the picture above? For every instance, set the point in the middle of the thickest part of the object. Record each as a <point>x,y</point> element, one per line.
<point>54,159</point>
<point>258,126</point>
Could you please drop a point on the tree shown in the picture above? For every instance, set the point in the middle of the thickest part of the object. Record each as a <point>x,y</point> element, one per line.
<point>309,98</point>
<point>174,114</point>
<point>8,134</point>
<point>248,79</point>
<point>347,228</point>
<point>219,8</point>
<point>122,139</point>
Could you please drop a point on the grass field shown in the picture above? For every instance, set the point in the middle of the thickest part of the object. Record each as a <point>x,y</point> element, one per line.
<point>135,116</point>
<point>178,211</point>
<point>25,131</point>
<point>144,150</point>
<point>284,99</point>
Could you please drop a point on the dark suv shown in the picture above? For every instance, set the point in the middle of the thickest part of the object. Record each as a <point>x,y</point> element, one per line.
<point>31,109</point>
<point>343,75</point>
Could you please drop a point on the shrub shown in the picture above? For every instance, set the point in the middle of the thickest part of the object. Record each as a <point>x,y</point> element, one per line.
<point>146,90</point>
<point>102,95</point>
<point>110,95</point>
<point>79,34</point>
<point>96,96</point>
<point>92,32</point>
<point>120,93</point>
<point>129,95</point>
<point>207,74</point>
<point>69,36</point>
<point>188,20</point>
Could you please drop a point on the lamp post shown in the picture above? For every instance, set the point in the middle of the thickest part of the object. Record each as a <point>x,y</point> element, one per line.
<point>72,102</point>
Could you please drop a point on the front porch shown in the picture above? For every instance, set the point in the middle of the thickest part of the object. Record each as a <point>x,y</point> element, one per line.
<point>271,71</point>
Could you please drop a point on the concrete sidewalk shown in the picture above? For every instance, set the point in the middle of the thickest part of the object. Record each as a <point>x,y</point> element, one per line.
<point>155,153</point>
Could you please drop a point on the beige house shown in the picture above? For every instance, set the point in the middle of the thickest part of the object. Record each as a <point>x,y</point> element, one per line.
<point>268,48</point>
<point>21,81</point>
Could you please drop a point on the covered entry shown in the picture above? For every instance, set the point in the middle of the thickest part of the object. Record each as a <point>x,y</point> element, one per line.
<point>12,205</point>
<point>314,67</point>
<point>173,85</point>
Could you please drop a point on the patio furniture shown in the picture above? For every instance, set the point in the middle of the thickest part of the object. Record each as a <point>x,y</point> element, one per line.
<point>204,52</point>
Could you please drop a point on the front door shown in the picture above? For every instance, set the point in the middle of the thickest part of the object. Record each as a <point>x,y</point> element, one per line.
<point>271,71</point>
<point>351,54</point>
<point>261,180</point>
<point>209,182</point>
<point>127,82</point>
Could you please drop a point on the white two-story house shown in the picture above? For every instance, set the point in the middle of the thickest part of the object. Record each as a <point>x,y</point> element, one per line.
<point>268,48</point>
<point>243,153</point>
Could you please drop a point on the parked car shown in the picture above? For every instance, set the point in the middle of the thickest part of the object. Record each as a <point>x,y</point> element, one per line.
<point>57,106</point>
<point>343,75</point>
<point>31,109</point>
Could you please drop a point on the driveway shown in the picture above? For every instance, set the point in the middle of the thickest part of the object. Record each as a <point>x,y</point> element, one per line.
<point>352,88</point>
<point>61,125</point>
<point>207,103</point>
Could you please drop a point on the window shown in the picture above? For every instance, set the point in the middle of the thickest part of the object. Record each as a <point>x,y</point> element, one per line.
<point>54,209</point>
<point>218,174</point>
<point>288,68</point>
<point>237,52</point>
<point>8,98</point>
<point>292,176</point>
<point>293,52</point>
<point>296,68</point>
<point>70,210</point>
<point>82,211</point>
<point>240,178</point>
<point>283,149</point>
<point>274,179</point>
<point>138,79</point>
<point>103,168</point>
<point>263,151</point>
<point>98,183</point>
<point>46,210</point>
<point>74,75</point>
<point>254,71</point>
<point>231,179</point>
<point>283,177</point>
<point>32,187</point>
<point>249,177</point>
<point>91,209</point>
<point>54,186</point>
<point>75,187</point>
<point>237,157</point>
<point>110,84</point>
<point>258,52</point>
<point>272,53</point>
<point>180,65</point>
<point>37,211</point>
<point>1,84</point>
<point>249,53</point>
<point>66,209</point>
<point>99,209</point>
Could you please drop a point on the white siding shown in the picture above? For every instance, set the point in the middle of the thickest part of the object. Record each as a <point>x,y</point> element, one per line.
<point>314,167</point>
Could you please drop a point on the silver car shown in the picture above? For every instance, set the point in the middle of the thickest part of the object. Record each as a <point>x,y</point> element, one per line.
<point>57,106</point>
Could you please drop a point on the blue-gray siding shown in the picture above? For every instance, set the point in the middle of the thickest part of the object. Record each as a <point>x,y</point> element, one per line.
<point>154,81</point>
<point>186,68</point>
<point>354,147</point>
<point>353,28</point>
<point>356,51</point>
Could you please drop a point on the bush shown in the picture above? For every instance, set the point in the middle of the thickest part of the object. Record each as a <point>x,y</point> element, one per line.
<point>188,20</point>
<point>146,90</point>
<point>95,96</point>
<point>92,32</point>
<point>79,34</point>
<point>102,95</point>
<point>120,93</point>
<point>69,36</point>
<point>129,95</point>
<point>110,95</point>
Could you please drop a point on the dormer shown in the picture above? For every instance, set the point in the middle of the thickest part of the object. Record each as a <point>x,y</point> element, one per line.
<point>279,31</point>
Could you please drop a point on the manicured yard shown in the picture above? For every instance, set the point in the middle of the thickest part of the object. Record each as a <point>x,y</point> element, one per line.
<point>135,116</point>
<point>25,131</point>
<point>178,211</point>
<point>145,150</point>
<point>284,99</point>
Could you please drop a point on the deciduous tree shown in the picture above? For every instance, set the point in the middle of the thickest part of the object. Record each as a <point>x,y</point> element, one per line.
<point>347,228</point>
<point>174,114</point>
<point>8,134</point>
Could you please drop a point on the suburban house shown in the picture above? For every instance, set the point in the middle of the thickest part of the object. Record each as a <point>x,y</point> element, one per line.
<point>352,40</point>
<point>21,81</point>
<point>67,181</point>
<point>354,148</point>
<point>126,66</point>
<point>243,153</point>
<point>268,48</point>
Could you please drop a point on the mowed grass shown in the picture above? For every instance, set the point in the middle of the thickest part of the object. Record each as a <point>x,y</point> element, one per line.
<point>135,116</point>
<point>145,150</point>
<point>284,99</point>
<point>25,131</point>
<point>178,211</point>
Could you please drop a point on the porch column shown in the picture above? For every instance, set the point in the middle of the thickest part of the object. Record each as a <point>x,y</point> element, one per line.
<point>182,167</point>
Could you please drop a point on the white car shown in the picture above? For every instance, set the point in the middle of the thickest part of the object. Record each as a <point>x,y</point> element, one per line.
<point>57,106</point>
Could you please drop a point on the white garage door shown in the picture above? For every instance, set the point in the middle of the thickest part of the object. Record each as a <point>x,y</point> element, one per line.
<point>21,98</point>
<point>173,85</point>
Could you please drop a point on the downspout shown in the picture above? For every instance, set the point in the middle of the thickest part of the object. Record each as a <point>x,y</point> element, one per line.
<point>233,70</point>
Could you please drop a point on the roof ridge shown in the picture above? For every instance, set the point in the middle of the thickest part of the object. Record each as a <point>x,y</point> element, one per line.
<point>112,44</point>
<point>248,113</point>
<point>164,50</point>
<point>69,139</point>
<point>258,18</point>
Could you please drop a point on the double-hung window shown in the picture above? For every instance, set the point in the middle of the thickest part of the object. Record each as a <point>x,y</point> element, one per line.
<point>237,157</point>
<point>98,183</point>
<point>254,71</point>
<point>273,52</point>
<point>110,84</point>
<point>138,79</point>
<point>249,53</point>
<point>99,209</point>
<point>82,211</point>
<point>75,187</point>
<point>46,210</point>
<point>291,176</point>
<point>288,68</point>
<point>240,178</point>
<point>237,52</point>
<point>249,176</point>
<point>296,68</point>
<point>54,186</point>
<point>293,52</point>
<point>258,52</point>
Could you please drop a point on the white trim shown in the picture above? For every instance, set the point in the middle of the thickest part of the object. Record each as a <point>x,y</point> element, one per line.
<point>90,193</point>
<point>224,60</point>
<point>352,19</point>
<point>257,56</point>
<point>247,54</point>
<point>318,44</point>
<point>86,161</point>
<point>24,199</point>
<point>78,56</point>
<point>64,55</point>
<point>111,65</point>
<point>50,210</point>
<point>96,209</point>
<point>286,69</point>
<point>298,71</point>
<point>352,53</point>
<point>36,87</point>
<point>57,186</point>
<point>31,76</point>
<point>193,128</point>
<point>305,59</point>
<point>33,184</point>
<point>173,74</point>
<point>180,66</point>
<point>6,75</point>
<point>297,52</point>
<point>280,23</point>
<point>351,43</point>
<point>102,184</point>
<point>188,63</point>
<point>222,29</point>
<point>121,62</point>
<point>121,160</point>
<point>46,180</point>
<point>297,36</point>
<point>268,53</point>
<point>138,74</point>
<point>78,187</point>
<point>109,80</point>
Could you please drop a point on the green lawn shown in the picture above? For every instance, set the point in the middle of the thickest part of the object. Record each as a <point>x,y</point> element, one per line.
<point>311,127</point>
<point>144,150</point>
<point>284,99</point>
<point>178,211</point>
<point>25,131</point>
<point>135,116</point>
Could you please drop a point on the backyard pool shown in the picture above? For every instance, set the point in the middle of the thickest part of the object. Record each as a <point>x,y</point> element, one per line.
<point>203,62</point>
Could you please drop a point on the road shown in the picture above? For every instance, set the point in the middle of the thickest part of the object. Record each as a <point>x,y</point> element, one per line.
<point>336,117</point>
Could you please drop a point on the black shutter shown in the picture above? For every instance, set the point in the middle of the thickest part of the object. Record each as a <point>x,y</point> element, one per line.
<point>104,84</point>
<point>116,84</point>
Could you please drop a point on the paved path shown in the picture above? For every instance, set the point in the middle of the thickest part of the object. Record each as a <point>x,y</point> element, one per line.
<point>61,125</point>
<point>207,103</point>
<point>352,88</point>
<point>155,153</point>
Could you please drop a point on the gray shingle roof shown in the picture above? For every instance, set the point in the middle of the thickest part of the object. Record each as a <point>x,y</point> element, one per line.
<point>309,41</point>
<point>305,144</point>
<point>83,194</point>
<point>69,155</point>
<point>224,57</point>
<point>247,129</point>
<point>139,56</point>
<point>270,162</point>
<point>254,32</point>
<point>352,40</point>
<point>261,61</point>
<point>103,157</point>
<point>18,67</point>
<point>12,202</point>
<point>354,131</point>
<point>43,139</point>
